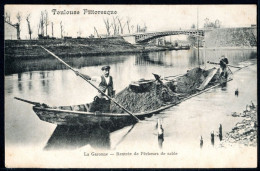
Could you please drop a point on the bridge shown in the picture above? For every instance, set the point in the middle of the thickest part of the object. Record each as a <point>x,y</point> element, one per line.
<point>146,37</point>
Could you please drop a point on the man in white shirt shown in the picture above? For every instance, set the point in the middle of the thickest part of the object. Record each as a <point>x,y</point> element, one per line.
<point>105,84</point>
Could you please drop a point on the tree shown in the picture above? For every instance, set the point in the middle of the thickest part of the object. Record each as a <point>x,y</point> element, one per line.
<point>108,26</point>
<point>42,21</point>
<point>29,26</point>
<point>95,31</point>
<point>61,29</point>
<point>18,25</point>
<point>206,23</point>
<point>121,26</point>
<point>209,24</point>
<point>46,21</point>
<point>128,24</point>
<point>19,17</point>
<point>217,23</point>
<point>39,27</point>
<point>52,29</point>
<point>7,17</point>
<point>114,25</point>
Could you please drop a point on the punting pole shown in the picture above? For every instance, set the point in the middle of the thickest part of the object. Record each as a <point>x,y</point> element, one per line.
<point>27,101</point>
<point>227,65</point>
<point>127,111</point>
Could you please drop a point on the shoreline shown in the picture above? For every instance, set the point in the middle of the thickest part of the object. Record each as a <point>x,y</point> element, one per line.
<point>244,132</point>
<point>88,54</point>
<point>227,48</point>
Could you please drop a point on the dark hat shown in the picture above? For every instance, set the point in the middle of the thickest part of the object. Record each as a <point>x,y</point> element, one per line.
<point>107,67</point>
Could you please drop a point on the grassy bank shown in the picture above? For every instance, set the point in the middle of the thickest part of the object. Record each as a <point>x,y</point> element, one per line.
<point>30,49</point>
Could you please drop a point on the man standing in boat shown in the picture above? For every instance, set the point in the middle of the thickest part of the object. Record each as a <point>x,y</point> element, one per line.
<point>105,84</point>
<point>223,65</point>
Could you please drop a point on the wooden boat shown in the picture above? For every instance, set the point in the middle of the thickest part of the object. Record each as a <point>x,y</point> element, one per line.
<point>80,115</point>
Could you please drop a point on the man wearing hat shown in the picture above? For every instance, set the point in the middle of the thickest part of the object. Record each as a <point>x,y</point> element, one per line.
<point>105,84</point>
<point>223,65</point>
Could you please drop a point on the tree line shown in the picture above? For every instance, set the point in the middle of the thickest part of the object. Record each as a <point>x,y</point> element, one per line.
<point>114,26</point>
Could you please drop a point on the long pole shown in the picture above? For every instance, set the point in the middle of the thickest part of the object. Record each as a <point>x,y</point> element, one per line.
<point>226,64</point>
<point>91,83</point>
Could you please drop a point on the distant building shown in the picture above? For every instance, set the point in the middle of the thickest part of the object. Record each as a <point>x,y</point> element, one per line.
<point>11,31</point>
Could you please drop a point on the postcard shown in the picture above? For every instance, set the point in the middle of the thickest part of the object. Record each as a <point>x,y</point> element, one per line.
<point>130,86</point>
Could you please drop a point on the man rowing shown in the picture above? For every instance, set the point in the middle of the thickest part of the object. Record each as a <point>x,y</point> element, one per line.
<point>105,84</point>
<point>223,65</point>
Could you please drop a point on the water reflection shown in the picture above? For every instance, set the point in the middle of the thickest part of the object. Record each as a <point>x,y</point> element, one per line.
<point>169,58</point>
<point>161,58</point>
<point>15,66</point>
<point>20,86</point>
<point>149,59</point>
<point>72,137</point>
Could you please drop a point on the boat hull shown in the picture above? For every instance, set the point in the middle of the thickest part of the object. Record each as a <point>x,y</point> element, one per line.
<point>72,118</point>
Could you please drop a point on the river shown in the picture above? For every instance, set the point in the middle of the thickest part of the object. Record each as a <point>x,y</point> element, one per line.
<point>51,83</point>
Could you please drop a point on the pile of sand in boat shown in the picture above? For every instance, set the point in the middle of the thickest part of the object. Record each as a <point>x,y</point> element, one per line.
<point>161,93</point>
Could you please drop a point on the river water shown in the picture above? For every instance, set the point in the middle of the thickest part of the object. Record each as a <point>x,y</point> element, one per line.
<point>183,124</point>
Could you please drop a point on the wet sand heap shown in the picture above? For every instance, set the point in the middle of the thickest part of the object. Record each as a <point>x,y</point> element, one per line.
<point>134,101</point>
<point>192,80</point>
<point>157,94</point>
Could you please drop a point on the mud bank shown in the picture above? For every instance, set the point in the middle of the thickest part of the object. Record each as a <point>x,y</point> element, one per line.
<point>244,132</point>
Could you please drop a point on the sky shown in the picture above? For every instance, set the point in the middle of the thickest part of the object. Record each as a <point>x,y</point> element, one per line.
<point>155,17</point>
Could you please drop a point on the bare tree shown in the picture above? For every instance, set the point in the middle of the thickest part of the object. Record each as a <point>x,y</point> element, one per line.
<point>108,26</point>
<point>39,27</point>
<point>117,32</point>
<point>46,21</point>
<point>7,17</point>
<point>18,25</point>
<point>29,26</point>
<point>128,24</point>
<point>95,30</point>
<point>114,26</point>
<point>121,26</point>
<point>61,29</point>
<point>19,17</point>
<point>42,23</point>
<point>52,29</point>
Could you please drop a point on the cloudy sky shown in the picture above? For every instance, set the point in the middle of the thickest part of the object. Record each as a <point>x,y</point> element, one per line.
<point>155,17</point>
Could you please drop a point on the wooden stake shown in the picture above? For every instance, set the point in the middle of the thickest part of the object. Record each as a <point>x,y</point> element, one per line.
<point>220,132</point>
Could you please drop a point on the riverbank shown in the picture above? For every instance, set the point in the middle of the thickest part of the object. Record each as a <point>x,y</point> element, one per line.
<point>30,49</point>
<point>244,132</point>
<point>229,48</point>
